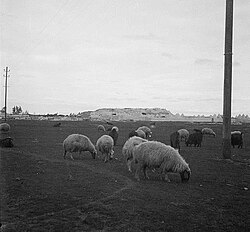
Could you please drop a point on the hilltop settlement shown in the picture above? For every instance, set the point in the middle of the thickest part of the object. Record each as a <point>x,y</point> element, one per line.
<point>126,114</point>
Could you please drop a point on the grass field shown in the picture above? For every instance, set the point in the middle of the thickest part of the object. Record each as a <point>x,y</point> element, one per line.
<point>40,191</point>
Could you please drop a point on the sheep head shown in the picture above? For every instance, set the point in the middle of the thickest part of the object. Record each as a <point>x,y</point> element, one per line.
<point>7,142</point>
<point>185,175</point>
<point>94,153</point>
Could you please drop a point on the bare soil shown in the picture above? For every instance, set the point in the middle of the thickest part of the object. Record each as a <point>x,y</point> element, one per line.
<point>40,191</point>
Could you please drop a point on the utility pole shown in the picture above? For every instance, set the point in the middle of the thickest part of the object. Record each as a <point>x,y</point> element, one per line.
<point>227,81</point>
<point>5,98</point>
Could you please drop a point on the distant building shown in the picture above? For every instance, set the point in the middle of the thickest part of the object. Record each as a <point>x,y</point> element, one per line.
<point>130,114</point>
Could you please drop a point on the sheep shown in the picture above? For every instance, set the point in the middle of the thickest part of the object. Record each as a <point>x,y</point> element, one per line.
<point>146,130</point>
<point>4,127</point>
<point>105,145</point>
<point>110,123</point>
<point>141,134</point>
<point>6,142</point>
<point>128,149</point>
<point>237,139</point>
<point>153,154</point>
<point>78,143</point>
<point>175,140</point>
<point>195,138</point>
<point>57,124</point>
<point>183,134</point>
<point>132,133</point>
<point>115,128</point>
<point>138,133</point>
<point>236,132</point>
<point>101,128</point>
<point>114,134</point>
<point>208,131</point>
<point>152,124</point>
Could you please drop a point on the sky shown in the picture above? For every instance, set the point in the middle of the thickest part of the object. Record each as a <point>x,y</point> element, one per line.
<point>69,56</point>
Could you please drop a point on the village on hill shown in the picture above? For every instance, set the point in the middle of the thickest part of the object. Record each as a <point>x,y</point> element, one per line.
<point>126,114</point>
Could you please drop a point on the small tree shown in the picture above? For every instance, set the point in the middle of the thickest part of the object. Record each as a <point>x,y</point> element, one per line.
<point>13,110</point>
<point>3,110</point>
<point>17,110</point>
<point>20,110</point>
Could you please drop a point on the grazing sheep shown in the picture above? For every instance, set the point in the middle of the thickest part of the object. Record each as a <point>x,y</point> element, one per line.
<point>183,134</point>
<point>105,145</point>
<point>175,140</point>
<point>6,142</point>
<point>237,139</point>
<point>146,130</point>
<point>101,128</point>
<point>132,133</point>
<point>128,149</point>
<point>57,124</point>
<point>78,143</point>
<point>138,133</point>
<point>115,128</point>
<point>114,134</point>
<point>152,124</point>
<point>4,127</point>
<point>153,154</point>
<point>141,134</point>
<point>208,131</point>
<point>195,138</point>
<point>236,132</point>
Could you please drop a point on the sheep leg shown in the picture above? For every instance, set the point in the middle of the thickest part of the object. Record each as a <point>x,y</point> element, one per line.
<point>79,154</point>
<point>129,162</point>
<point>71,156</point>
<point>112,154</point>
<point>64,155</point>
<point>137,173</point>
<point>145,172</point>
<point>166,177</point>
<point>106,157</point>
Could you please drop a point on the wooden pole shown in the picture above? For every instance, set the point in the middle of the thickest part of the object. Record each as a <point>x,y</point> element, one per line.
<point>227,81</point>
<point>5,98</point>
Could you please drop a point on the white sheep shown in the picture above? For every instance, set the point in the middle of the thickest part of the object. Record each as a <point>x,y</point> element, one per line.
<point>235,132</point>
<point>115,128</point>
<point>101,128</point>
<point>4,127</point>
<point>114,134</point>
<point>184,134</point>
<point>152,124</point>
<point>105,145</point>
<point>141,133</point>
<point>146,130</point>
<point>78,143</point>
<point>153,154</point>
<point>128,149</point>
<point>208,131</point>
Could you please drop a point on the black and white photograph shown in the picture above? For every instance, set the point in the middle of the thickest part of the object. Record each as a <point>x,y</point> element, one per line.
<point>125,115</point>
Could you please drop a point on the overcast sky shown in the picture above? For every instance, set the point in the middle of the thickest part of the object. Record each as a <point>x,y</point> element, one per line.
<point>69,56</point>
